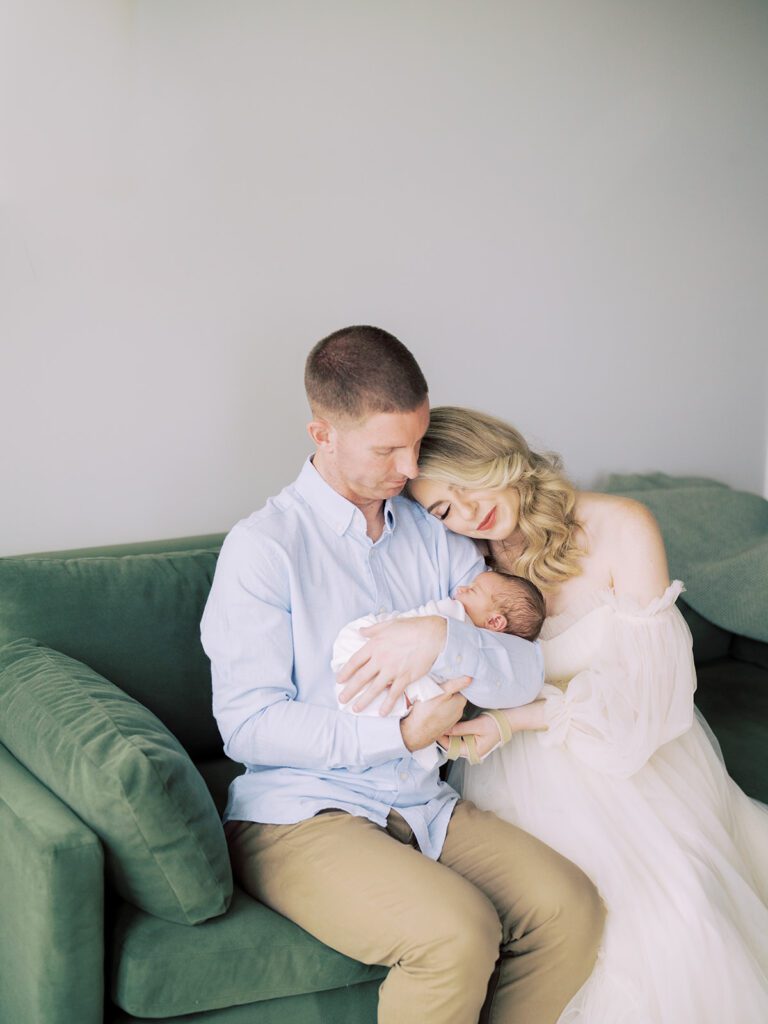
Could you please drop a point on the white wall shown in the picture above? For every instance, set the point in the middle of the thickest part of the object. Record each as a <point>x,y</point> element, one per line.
<point>559,206</point>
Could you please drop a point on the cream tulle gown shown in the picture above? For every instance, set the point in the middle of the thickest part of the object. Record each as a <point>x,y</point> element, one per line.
<point>629,785</point>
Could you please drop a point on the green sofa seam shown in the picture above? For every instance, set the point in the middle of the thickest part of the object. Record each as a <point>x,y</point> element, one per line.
<point>51,846</point>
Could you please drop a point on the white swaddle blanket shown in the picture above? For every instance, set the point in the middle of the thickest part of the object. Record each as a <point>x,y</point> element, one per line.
<point>350,640</point>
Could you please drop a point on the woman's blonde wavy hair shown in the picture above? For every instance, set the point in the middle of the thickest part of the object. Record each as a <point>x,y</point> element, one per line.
<point>469,449</point>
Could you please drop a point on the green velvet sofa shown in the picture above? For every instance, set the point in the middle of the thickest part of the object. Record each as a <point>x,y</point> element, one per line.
<point>116,894</point>
<point>117,899</point>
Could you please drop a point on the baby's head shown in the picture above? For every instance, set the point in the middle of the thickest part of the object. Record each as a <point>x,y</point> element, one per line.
<point>504,603</point>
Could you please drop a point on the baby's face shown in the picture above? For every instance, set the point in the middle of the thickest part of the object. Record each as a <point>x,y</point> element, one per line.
<point>480,598</point>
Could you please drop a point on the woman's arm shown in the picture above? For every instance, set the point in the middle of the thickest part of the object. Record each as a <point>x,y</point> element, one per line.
<point>528,717</point>
<point>636,552</point>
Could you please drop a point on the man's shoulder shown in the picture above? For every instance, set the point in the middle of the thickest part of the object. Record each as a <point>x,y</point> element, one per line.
<point>278,520</point>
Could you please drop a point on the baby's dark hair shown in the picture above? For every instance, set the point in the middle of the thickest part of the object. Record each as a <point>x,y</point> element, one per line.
<point>522,605</point>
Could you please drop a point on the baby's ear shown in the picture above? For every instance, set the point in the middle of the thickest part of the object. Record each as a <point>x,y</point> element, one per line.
<point>497,622</point>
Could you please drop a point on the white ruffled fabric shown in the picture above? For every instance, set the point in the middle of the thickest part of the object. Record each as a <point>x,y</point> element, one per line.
<point>629,784</point>
<point>630,682</point>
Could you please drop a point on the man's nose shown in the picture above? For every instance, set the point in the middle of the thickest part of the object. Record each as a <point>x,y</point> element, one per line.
<point>408,465</point>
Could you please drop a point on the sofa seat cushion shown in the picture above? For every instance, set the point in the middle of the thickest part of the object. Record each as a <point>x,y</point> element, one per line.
<point>733,697</point>
<point>124,774</point>
<point>247,955</point>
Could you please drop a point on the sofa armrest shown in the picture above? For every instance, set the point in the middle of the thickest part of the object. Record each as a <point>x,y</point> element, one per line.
<point>52,895</point>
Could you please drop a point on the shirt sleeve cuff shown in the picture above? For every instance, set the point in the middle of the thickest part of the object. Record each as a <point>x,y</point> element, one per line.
<point>380,739</point>
<point>459,655</point>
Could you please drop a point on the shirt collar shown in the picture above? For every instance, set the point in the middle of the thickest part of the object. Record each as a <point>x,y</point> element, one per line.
<point>332,508</point>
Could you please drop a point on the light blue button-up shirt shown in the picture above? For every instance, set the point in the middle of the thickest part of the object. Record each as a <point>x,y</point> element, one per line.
<point>287,579</point>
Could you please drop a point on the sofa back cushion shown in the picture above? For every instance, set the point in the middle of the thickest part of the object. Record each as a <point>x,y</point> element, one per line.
<point>753,651</point>
<point>134,618</point>
<point>123,773</point>
<point>710,642</point>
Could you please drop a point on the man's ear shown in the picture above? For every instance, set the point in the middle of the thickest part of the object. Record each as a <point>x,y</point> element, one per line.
<point>322,433</point>
<point>497,622</point>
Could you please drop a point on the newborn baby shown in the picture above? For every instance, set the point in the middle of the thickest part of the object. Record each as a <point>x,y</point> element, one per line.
<point>493,600</point>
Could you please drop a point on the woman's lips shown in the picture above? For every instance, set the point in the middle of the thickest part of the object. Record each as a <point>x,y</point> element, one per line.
<point>489,520</point>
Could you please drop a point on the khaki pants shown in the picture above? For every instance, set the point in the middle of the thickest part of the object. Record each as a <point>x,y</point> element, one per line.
<point>496,894</point>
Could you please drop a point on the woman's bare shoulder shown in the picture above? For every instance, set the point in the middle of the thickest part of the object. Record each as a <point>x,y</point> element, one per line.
<point>598,512</point>
<point>629,539</point>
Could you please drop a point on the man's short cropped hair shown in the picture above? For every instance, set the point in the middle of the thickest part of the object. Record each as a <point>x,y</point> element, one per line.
<point>358,371</point>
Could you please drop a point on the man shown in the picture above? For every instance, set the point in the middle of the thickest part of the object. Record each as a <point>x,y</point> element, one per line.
<point>334,824</point>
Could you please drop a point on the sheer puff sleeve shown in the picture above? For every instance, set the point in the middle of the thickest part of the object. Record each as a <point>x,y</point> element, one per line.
<point>637,691</point>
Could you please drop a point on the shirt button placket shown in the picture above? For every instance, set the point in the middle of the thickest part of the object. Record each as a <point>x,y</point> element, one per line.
<point>382,601</point>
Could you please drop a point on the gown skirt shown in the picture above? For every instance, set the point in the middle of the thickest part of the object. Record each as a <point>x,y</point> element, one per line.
<point>628,782</point>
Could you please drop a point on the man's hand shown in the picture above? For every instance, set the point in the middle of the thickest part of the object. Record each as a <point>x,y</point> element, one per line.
<point>397,653</point>
<point>429,719</point>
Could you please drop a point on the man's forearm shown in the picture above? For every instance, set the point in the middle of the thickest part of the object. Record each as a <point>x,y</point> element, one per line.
<point>292,734</point>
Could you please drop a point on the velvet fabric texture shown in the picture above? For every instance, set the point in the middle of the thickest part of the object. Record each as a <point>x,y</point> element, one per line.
<point>124,774</point>
<point>52,901</point>
<point>250,955</point>
<point>132,617</point>
<point>353,1004</point>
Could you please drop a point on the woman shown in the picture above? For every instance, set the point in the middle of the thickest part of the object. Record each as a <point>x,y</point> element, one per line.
<point>611,767</point>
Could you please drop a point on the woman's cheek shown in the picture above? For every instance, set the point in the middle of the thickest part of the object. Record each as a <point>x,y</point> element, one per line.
<point>460,526</point>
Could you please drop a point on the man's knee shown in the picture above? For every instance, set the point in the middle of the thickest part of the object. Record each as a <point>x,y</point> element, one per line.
<point>569,910</point>
<point>584,918</point>
<point>447,956</point>
<point>461,936</point>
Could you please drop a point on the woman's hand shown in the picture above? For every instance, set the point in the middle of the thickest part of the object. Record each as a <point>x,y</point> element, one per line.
<point>528,718</point>
<point>483,728</point>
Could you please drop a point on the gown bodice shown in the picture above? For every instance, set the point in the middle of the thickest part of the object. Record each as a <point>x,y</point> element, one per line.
<point>575,647</point>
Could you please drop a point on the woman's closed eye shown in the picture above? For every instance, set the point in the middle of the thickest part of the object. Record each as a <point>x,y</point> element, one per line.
<point>440,512</point>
